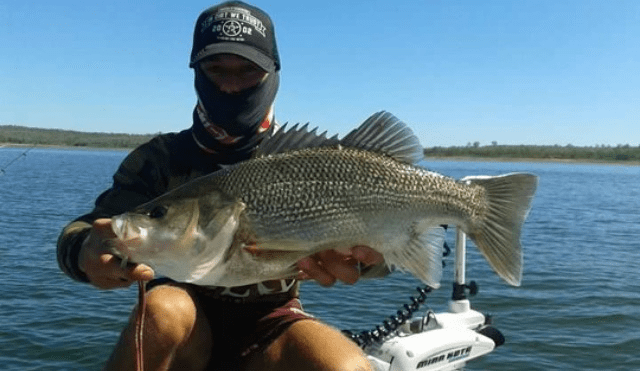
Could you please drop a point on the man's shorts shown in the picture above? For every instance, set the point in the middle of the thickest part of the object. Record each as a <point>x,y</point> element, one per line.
<point>242,329</point>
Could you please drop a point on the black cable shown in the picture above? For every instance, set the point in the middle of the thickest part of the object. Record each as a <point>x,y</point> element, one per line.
<point>390,325</point>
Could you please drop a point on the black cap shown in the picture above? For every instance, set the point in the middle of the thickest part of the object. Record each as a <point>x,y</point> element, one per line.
<point>235,27</point>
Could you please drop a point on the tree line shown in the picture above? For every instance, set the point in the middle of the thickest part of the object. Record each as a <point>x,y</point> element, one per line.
<point>68,138</point>
<point>556,152</point>
<point>22,135</point>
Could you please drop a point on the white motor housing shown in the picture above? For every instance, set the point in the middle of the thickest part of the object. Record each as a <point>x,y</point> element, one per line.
<point>444,341</point>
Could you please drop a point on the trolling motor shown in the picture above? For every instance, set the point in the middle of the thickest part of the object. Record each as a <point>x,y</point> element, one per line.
<point>434,341</point>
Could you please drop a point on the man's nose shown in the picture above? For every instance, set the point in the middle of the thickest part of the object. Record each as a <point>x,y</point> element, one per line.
<point>231,84</point>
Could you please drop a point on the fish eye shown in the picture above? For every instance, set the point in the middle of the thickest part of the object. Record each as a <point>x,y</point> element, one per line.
<point>157,212</point>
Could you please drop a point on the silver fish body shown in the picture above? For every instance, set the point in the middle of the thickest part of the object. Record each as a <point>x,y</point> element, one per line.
<point>362,190</point>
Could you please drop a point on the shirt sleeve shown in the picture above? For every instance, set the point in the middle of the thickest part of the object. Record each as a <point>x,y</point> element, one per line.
<point>139,179</point>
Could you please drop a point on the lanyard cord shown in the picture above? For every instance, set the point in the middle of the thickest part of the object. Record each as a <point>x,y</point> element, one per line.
<point>142,304</point>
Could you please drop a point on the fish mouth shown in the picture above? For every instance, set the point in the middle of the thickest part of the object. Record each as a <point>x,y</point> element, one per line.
<point>128,238</point>
<point>118,224</point>
<point>126,231</point>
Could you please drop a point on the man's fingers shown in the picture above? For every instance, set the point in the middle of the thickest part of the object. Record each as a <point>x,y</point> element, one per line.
<point>102,227</point>
<point>367,255</point>
<point>110,274</point>
<point>131,272</point>
<point>313,270</point>
<point>342,267</point>
<point>328,266</point>
<point>108,283</point>
<point>102,267</point>
<point>139,272</point>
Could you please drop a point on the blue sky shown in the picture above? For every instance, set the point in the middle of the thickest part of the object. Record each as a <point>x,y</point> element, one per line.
<point>515,72</point>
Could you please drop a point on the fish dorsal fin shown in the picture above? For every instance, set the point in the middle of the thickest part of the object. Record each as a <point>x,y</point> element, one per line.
<point>294,138</point>
<point>386,134</point>
<point>381,133</point>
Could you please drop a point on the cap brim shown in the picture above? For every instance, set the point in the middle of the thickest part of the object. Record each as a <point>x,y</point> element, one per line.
<point>248,52</point>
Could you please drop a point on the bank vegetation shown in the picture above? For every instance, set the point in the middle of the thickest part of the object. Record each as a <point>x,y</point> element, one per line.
<point>21,135</point>
<point>26,136</point>
<point>599,153</point>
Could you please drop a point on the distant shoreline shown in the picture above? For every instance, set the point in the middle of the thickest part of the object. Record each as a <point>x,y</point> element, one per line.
<point>524,159</point>
<point>426,158</point>
<point>26,137</point>
<point>30,137</point>
<point>62,146</point>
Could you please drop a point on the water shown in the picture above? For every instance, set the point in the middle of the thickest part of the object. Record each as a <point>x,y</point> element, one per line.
<point>576,309</point>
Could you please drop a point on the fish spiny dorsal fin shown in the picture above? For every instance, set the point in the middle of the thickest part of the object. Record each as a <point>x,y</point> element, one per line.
<point>386,134</point>
<point>293,139</point>
<point>380,133</point>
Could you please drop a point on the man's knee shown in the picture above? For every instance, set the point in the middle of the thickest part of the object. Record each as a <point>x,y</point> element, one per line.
<point>311,345</point>
<point>170,314</point>
<point>357,361</point>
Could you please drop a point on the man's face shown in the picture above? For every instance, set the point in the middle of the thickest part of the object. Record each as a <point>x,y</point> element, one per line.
<point>231,73</point>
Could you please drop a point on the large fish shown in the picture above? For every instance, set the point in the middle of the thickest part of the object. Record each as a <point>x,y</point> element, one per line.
<point>305,193</point>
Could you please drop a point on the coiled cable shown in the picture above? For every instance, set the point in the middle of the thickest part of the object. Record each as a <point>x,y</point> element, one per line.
<point>390,325</point>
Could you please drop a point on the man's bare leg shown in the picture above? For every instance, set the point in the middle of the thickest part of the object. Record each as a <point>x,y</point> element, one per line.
<point>178,337</point>
<point>313,346</point>
<point>176,334</point>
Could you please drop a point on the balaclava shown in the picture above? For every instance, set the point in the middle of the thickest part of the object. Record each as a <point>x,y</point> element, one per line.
<point>232,124</point>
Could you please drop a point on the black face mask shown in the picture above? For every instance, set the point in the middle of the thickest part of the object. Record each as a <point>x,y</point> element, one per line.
<point>238,114</point>
<point>226,153</point>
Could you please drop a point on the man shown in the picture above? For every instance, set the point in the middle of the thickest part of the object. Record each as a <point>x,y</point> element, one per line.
<point>188,327</point>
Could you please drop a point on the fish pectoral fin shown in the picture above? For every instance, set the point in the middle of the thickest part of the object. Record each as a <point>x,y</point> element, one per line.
<point>225,218</point>
<point>421,255</point>
<point>211,252</point>
<point>259,252</point>
<point>281,246</point>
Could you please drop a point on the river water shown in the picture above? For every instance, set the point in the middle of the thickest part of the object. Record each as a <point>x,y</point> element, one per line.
<point>577,308</point>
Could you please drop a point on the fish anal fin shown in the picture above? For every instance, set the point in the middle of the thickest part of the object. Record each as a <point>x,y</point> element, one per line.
<point>421,254</point>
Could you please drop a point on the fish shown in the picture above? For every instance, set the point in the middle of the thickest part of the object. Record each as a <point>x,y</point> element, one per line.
<point>302,193</point>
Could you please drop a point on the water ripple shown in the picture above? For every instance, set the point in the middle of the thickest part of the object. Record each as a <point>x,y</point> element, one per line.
<point>576,309</point>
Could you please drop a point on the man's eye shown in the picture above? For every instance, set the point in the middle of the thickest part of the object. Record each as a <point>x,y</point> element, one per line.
<point>157,212</point>
<point>213,71</point>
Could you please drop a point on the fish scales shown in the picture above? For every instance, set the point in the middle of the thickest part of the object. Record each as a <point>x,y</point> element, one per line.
<point>305,193</point>
<point>252,221</point>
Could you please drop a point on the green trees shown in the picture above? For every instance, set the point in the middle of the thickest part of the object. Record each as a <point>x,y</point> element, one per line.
<point>621,153</point>
<point>569,152</point>
<point>33,136</point>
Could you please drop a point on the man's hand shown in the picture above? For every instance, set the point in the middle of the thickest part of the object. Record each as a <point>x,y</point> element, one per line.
<point>103,268</point>
<point>328,266</point>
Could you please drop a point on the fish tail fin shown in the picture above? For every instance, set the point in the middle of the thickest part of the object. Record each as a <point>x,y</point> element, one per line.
<point>421,255</point>
<point>497,236</point>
